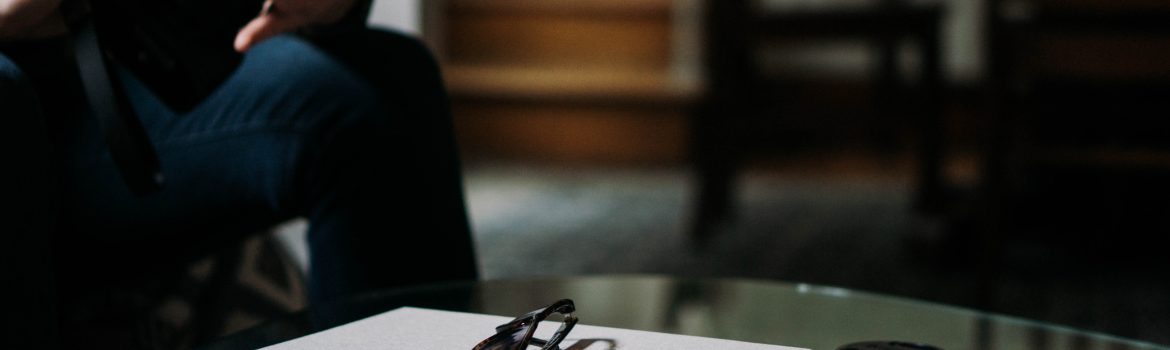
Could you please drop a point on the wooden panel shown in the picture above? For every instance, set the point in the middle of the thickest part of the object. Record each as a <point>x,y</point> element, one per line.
<point>558,41</point>
<point>570,133</point>
<point>564,80</point>
<point>601,86</point>
<point>1100,56</point>
<point>591,8</point>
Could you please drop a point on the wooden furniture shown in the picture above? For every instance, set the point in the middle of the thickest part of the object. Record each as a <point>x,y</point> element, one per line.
<point>740,94</point>
<point>1079,154</point>
<point>589,81</point>
<point>1076,159</point>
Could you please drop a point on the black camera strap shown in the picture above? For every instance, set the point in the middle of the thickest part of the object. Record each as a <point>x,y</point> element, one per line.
<point>130,148</point>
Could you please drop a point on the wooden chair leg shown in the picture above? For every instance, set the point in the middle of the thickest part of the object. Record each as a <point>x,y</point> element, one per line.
<point>716,164</point>
<point>713,200</point>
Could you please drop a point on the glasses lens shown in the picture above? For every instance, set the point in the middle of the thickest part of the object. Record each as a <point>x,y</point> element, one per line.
<point>510,340</point>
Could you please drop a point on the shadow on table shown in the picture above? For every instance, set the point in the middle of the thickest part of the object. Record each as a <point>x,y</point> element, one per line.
<point>584,344</point>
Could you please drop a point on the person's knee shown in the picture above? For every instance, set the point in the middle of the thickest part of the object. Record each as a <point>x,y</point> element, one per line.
<point>308,84</point>
<point>336,115</point>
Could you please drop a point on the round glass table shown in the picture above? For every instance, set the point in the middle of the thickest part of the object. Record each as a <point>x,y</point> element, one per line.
<point>799,315</point>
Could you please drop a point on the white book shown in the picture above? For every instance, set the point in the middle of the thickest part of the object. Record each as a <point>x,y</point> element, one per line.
<point>425,329</point>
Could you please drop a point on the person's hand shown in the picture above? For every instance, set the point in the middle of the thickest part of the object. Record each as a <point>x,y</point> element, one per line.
<point>30,19</point>
<point>281,16</point>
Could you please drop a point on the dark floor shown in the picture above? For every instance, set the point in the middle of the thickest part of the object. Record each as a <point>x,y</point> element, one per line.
<point>844,222</point>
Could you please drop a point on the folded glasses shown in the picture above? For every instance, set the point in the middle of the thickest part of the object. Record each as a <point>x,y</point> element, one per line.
<point>518,334</point>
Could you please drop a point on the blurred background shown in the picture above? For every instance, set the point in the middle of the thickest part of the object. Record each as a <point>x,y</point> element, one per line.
<point>1010,156</point>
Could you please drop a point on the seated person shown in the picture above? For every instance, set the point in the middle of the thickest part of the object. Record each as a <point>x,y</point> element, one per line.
<point>350,131</point>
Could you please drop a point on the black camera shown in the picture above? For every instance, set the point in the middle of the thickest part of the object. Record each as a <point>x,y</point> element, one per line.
<point>181,49</point>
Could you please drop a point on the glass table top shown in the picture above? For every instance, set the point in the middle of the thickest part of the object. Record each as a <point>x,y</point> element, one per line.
<point>800,315</point>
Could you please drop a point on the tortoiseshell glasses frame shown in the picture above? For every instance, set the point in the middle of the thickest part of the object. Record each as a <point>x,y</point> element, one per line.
<point>518,334</point>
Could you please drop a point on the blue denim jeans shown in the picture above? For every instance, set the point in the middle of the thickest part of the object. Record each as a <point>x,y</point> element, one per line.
<point>352,133</point>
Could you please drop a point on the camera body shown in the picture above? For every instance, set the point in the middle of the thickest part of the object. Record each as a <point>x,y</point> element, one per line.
<point>181,49</point>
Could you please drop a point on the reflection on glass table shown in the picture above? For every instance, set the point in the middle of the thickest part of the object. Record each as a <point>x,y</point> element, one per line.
<point>768,312</point>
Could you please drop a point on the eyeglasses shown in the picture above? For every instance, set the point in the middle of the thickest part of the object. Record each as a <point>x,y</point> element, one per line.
<point>517,334</point>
